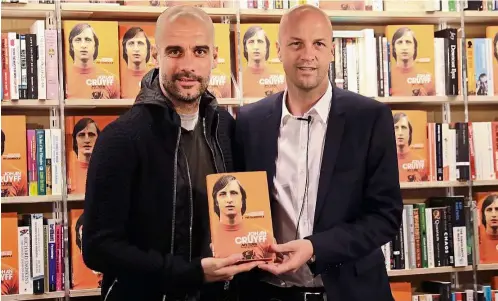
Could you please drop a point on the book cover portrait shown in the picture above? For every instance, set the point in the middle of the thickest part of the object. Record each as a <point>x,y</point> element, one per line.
<point>410,128</point>
<point>240,216</point>
<point>492,34</point>
<point>14,156</point>
<point>262,71</point>
<point>81,134</point>
<point>412,59</point>
<point>220,83</point>
<point>91,59</point>
<point>136,48</point>
<point>10,255</point>
<point>487,217</point>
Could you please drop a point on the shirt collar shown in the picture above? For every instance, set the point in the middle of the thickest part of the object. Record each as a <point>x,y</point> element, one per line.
<point>319,111</point>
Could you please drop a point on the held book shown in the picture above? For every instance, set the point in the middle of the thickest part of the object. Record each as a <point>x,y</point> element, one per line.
<point>240,216</point>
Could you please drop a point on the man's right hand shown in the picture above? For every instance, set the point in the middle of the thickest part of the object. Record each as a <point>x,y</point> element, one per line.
<point>223,269</point>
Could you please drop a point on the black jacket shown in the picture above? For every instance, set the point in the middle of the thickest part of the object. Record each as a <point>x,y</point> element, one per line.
<point>132,193</point>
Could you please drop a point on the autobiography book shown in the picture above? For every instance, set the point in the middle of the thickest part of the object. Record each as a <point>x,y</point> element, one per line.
<point>240,216</point>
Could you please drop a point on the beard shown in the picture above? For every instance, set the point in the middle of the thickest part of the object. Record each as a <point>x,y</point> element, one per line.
<point>169,84</point>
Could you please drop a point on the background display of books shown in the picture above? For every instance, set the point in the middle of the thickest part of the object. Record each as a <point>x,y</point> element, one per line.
<point>435,176</point>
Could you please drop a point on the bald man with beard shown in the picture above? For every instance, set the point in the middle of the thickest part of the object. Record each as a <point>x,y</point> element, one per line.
<point>146,209</point>
<point>330,158</point>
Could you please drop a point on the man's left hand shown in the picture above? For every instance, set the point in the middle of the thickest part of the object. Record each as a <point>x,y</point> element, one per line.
<point>295,254</point>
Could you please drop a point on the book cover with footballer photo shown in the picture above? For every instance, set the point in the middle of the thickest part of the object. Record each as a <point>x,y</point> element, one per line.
<point>240,216</point>
<point>412,59</point>
<point>91,59</point>
<point>14,156</point>
<point>220,83</point>
<point>81,134</point>
<point>492,33</point>
<point>136,48</point>
<point>262,71</point>
<point>410,128</point>
<point>10,254</point>
<point>487,218</point>
<point>81,276</point>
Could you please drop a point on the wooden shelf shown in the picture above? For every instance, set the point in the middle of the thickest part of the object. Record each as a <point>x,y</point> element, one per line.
<point>445,184</point>
<point>75,197</point>
<point>51,295</point>
<point>84,293</point>
<point>358,17</point>
<point>26,10</point>
<point>439,270</point>
<point>488,267</point>
<point>481,17</point>
<point>31,199</point>
<point>29,104</point>
<point>121,12</point>
<point>123,103</point>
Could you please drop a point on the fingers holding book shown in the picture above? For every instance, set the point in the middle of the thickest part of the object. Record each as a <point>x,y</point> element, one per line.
<point>222,269</point>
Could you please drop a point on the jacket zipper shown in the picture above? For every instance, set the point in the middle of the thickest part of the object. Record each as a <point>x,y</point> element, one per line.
<point>175,172</point>
<point>209,145</point>
<point>218,143</point>
<point>110,289</point>
<point>191,206</point>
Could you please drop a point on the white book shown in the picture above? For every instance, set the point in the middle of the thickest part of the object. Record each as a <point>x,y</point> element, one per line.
<point>25,279</point>
<point>38,28</point>
<point>37,253</point>
<point>14,66</point>
<point>56,161</point>
<point>430,238</point>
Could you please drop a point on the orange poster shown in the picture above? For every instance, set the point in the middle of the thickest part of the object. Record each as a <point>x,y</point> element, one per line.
<point>412,59</point>
<point>14,161</point>
<point>136,48</point>
<point>262,71</point>
<point>81,134</point>
<point>342,5</point>
<point>240,216</point>
<point>221,80</point>
<point>492,33</point>
<point>91,59</point>
<point>410,128</point>
<point>82,276</point>
<point>204,3</point>
<point>487,217</point>
<point>10,258</point>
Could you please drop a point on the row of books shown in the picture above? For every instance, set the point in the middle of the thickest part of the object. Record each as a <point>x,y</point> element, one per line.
<point>431,290</point>
<point>410,60</point>
<point>32,253</point>
<point>368,5</point>
<point>31,161</point>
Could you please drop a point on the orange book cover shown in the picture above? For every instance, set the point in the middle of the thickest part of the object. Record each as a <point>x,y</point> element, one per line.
<point>220,83</point>
<point>487,218</point>
<point>410,128</point>
<point>492,33</point>
<point>240,216</point>
<point>81,276</point>
<point>342,5</point>
<point>204,3</point>
<point>81,134</point>
<point>412,59</point>
<point>91,59</point>
<point>10,255</point>
<point>14,156</point>
<point>402,291</point>
<point>262,70</point>
<point>136,47</point>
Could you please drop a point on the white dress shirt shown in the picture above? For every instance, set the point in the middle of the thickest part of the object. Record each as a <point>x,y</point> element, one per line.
<point>290,180</point>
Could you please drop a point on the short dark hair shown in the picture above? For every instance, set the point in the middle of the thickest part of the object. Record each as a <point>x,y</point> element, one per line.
<point>221,183</point>
<point>251,32</point>
<point>76,31</point>
<point>485,204</point>
<point>130,34</point>
<point>398,34</point>
<point>494,47</point>
<point>397,117</point>
<point>3,142</point>
<point>78,127</point>
<point>77,227</point>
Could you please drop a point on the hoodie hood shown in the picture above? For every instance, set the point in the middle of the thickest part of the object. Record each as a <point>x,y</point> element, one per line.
<point>151,94</point>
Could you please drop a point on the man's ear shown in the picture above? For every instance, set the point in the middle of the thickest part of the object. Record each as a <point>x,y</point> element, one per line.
<point>215,57</point>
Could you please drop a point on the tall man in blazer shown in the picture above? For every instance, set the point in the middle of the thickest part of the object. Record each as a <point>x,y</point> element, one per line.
<point>330,157</point>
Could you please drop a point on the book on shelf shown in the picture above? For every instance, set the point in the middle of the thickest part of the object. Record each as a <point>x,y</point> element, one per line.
<point>487,220</point>
<point>81,135</point>
<point>32,253</point>
<point>240,216</point>
<point>220,82</point>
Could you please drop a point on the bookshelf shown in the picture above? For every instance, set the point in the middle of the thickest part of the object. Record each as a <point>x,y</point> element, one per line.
<point>444,108</point>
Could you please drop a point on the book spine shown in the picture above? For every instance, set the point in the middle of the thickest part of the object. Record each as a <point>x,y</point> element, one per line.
<point>37,252</point>
<point>5,67</point>
<point>448,235</point>
<point>48,162</point>
<point>446,258</point>
<point>51,64</point>
<point>56,161</point>
<point>416,237</point>
<point>45,255</point>
<point>462,151</point>
<point>437,232</point>
<point>38,28</point>
<point>59,255</point>
<point>459,233</point>
<point>14,72</point>
<point>40,161</point>
<point>23,86</point>
<point>423,235</point>
<point>25,279</point>
<point>431,263</point>
<point>32,167</point>
<point>52,260</point>
<point>31,65</point>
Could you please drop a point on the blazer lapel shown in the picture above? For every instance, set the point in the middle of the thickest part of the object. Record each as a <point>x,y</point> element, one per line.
<point>269,131</point>
<point>333,137</point>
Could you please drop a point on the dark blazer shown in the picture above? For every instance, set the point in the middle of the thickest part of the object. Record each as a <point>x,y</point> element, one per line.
<point>359,204</point>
